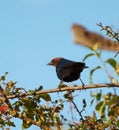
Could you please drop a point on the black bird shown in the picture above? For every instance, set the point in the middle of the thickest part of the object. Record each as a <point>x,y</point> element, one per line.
<point>68,70</point>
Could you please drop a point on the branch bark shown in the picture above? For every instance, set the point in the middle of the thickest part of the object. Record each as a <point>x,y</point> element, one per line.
<point>86,38</point>
<point>69,88</point>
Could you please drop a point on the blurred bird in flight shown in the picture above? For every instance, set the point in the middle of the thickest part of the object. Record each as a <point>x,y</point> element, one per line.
<point>68,70</point>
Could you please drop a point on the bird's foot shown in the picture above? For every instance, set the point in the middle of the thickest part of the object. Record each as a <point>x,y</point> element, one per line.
<point>62,86</point>
<point>82,84</point>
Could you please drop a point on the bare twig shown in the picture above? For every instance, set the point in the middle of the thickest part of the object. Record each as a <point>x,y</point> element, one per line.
<point>79,112</point>
<point>110,32</point>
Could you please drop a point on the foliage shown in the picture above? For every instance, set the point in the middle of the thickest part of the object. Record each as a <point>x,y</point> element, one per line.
<point>41,110</point>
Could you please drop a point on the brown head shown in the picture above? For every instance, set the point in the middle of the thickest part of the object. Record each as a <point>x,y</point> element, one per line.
<point>54,61</point>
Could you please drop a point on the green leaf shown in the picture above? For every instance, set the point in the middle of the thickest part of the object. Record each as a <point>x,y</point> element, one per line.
<point>87,56</point>
<point>112,62</point>
<point>91,73</point>
<point>100,107</point>
<point>40,88</point>
<point>3,78</point>
<point>58,120</point>
<point>32,92</point>
<point>62,86</point>
<point>11,124</point>
<point>91,101</point>
<point>111,112</point>
<point>107,27</point>
<point>26,124</point>
<point>84,103</point>
<point>117,124</point>
<point>93,48</point>
<point>68,96</point>
<point>62,106</point>
<point>98,96</point>
<point>6,73</point>
<point>45,96</point>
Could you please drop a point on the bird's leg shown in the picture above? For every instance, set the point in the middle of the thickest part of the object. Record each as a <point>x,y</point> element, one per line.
<point>60,84</point>
<point>82,83</point>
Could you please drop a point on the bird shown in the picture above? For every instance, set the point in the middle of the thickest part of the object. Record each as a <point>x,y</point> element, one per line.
<point>67,70</point>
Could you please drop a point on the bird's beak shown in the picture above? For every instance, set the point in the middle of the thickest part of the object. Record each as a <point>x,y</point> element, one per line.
<point>50,63</point>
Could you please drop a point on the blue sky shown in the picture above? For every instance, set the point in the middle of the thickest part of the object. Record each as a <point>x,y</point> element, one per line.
<point>32,32</point>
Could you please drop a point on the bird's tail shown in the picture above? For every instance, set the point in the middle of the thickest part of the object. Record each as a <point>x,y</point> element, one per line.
<point>86,67</point>
<point>82,65</point>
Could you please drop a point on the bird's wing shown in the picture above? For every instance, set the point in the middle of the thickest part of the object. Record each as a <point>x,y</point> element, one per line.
<point>71,68</point>
<point>74,66</point>
<point>67,68</point>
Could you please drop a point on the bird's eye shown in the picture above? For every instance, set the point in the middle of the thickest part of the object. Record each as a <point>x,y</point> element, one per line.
<point>52,61</point>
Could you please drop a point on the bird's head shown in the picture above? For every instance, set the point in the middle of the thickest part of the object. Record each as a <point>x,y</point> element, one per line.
<point>54,61</point>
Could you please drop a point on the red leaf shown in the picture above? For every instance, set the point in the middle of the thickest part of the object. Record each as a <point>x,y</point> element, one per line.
<point>3,108</point>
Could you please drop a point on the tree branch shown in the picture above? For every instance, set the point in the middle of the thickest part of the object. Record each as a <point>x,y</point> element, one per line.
<point>69,88</point>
